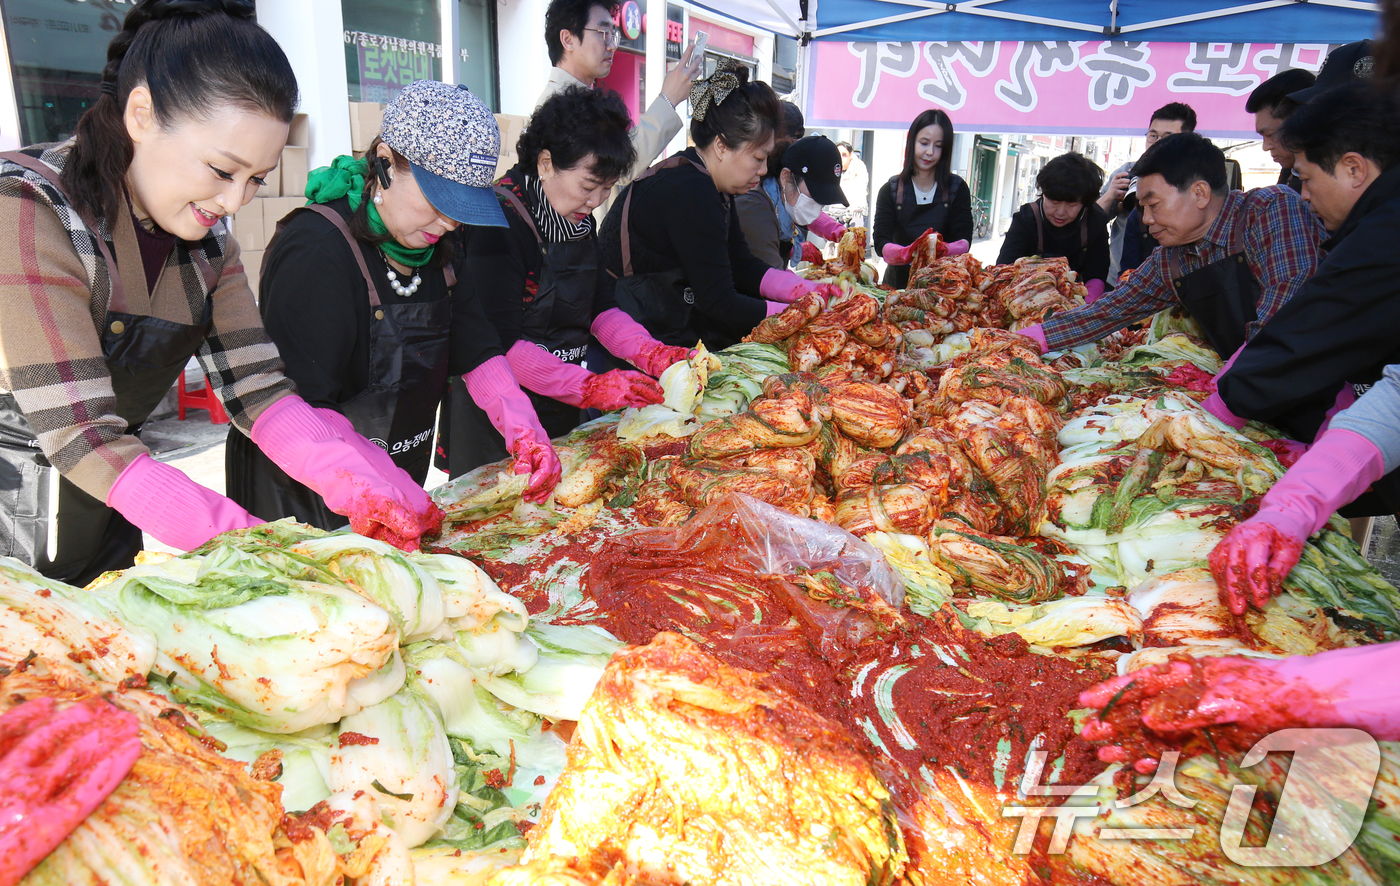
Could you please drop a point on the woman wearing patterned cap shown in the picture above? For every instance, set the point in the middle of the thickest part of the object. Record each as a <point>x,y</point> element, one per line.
<point>359,291</point>
<point>541,279</point>
<point>193,112</point>
<point>674,240</point>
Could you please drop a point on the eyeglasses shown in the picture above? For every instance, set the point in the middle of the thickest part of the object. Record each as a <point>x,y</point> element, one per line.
<point>611,36</point>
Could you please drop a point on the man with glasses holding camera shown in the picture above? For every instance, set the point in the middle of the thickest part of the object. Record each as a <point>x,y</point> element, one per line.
<point>1169,119</point>
<point>582,38</point>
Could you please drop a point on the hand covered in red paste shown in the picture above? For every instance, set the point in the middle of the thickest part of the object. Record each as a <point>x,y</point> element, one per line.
<point>56,767</point>
<point>1226,704</point>
<point>618,389</point>
<point>657,358</point>
<point>357,479</point>
<point>537,458</point>
<point>1250,563</point>
<point>1147,712</point>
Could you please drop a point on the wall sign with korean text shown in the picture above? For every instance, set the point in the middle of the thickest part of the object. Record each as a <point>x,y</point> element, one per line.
<point>1074,87</point>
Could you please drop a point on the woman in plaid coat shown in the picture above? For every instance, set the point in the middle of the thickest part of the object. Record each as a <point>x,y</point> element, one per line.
<point>118,268</point>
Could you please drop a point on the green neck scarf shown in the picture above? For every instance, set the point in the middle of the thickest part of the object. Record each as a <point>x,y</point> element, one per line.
<point>345,177</point>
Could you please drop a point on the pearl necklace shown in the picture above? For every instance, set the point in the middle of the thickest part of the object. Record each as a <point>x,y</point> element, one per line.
<point>401,290</point>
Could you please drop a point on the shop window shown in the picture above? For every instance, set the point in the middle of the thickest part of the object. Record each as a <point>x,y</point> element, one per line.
<point>476,35</point>
<point>389,44</point>
<point>784,64</point>
<point>57,50</point>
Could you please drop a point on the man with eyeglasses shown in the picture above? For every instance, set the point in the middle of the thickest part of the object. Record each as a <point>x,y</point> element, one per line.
<point>1170,119</point>
<point>582,38</point>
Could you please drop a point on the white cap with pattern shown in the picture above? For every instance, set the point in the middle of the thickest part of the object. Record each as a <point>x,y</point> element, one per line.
<point>452,141</point>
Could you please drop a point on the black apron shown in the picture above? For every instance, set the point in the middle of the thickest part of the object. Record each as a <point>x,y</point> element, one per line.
<point>906,230</point>
<point>1223,296</point>
<point>663,302</point>
<point>1071,259</point>
<point>408,354</point>
<point>49,523</point>
<point>558,319</point>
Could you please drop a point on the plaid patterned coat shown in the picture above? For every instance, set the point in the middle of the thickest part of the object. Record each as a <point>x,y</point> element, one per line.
<point>54,293</point>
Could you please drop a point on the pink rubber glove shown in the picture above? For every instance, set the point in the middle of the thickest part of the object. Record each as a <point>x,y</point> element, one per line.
<point>1036,333</point>
<point>1214,404</point>
<point>1093,290</point>
<point>1216,407</point>
<point>542,372</point>
<point>894,254</point>
<point>1285,450</point>
<point>1251,562</point>
<point>658,358</point>
<point>783,285</point>
<point>1345,398</point>
<point>379,498</point>
<point>166,503</point>
<point>493,388</point>
<point>382,462</point>
<point>628,339</point>
<point>535,456</point>
<point>1148,711</point>
<point>774,307</point>
<point>827,228</point>
<point>619,389</point>
<point>56,768</point>
<point>958,247</point>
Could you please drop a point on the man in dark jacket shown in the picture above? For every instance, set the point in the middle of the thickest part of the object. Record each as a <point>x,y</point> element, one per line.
<point>1271,104</point>
<point>1343,326</point>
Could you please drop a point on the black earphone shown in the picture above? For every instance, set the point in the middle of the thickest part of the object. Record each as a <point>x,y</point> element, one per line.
<point>380,165</point>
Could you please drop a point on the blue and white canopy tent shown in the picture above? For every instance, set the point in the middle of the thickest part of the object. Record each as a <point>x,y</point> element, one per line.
<point>1179,21</point>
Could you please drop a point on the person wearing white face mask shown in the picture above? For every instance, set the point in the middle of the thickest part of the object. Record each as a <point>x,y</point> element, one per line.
<point>808,178</point>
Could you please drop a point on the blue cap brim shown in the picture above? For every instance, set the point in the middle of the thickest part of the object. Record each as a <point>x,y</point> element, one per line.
<point>461,203</point>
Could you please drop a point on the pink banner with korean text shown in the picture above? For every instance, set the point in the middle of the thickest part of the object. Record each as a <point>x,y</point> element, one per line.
<point>1072,88</point>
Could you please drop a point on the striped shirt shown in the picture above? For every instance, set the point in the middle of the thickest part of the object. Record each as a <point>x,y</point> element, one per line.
<point>1281,245</point>
<point>51,357</point>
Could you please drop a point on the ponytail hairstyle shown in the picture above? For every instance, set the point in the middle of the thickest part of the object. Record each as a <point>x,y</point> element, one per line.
<point>728,107</point>
<point>197,57</point>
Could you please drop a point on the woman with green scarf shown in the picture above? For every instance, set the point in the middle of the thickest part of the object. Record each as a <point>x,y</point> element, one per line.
<point>358,291</point>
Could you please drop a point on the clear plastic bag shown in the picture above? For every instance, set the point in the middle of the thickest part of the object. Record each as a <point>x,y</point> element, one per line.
<point>776,542</point>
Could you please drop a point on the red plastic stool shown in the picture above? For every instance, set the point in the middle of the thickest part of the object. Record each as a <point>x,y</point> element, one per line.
<point>204,399</point>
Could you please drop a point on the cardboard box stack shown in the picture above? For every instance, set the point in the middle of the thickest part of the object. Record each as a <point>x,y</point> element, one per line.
<point>254,224</point>
<point>511,127</point>
<point>365,120</point>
